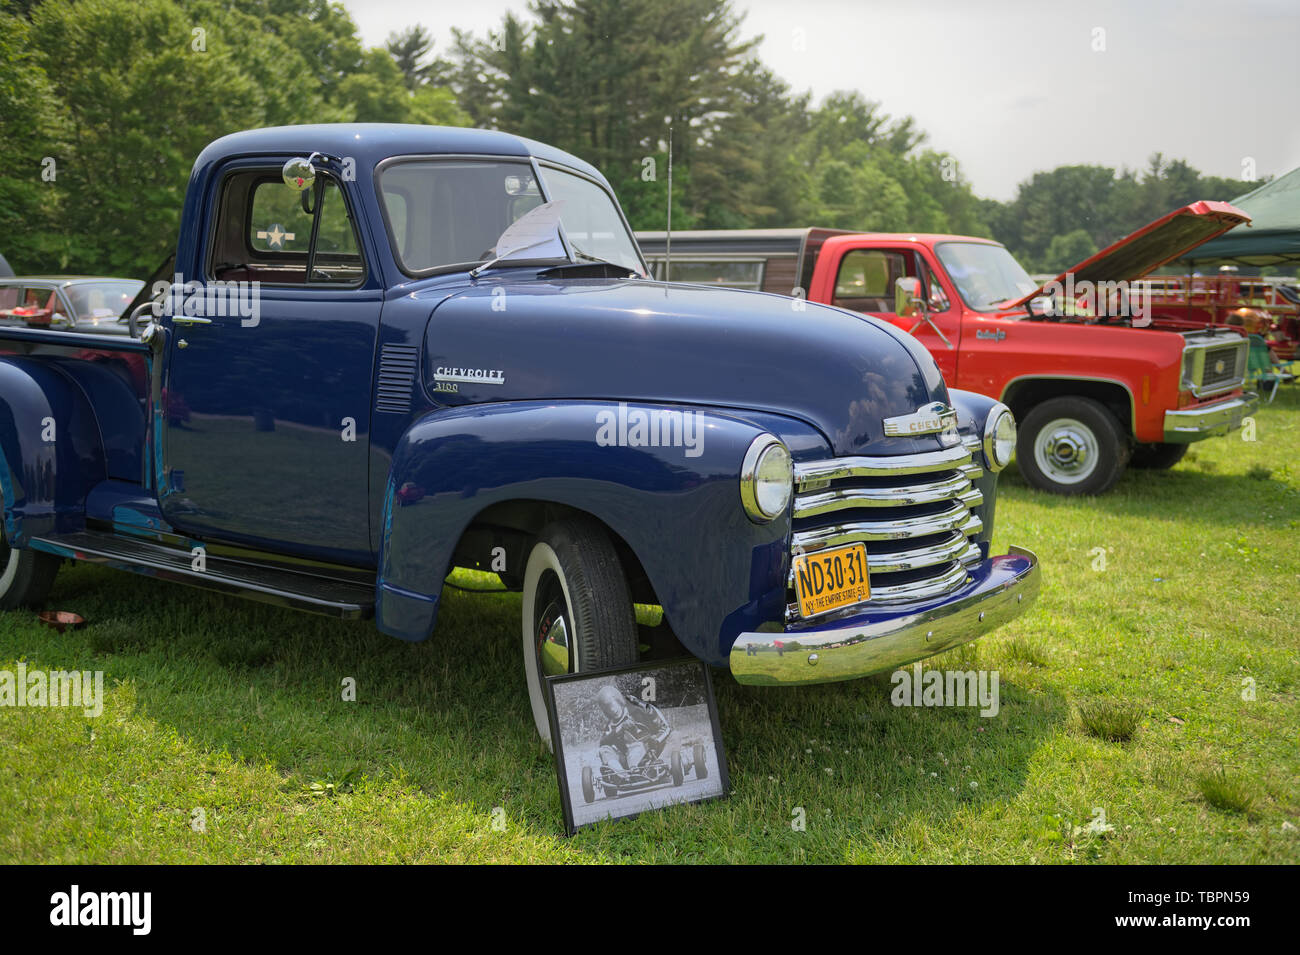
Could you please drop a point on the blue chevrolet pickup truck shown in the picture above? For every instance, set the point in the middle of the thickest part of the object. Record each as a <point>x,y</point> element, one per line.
<point>384,352</point>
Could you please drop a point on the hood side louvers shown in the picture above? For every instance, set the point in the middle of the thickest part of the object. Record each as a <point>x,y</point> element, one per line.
<point>397,367</point>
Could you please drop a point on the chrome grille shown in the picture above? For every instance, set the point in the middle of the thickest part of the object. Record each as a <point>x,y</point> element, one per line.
<point>913,513</point>
<point>1213,366</point>
<point>1220,366</point>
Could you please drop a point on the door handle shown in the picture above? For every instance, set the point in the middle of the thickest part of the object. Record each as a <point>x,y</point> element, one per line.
<point>190,320</point>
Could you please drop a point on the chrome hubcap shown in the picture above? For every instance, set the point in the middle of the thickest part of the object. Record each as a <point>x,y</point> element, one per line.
<point>551,629</point>
<point>1066,451</point>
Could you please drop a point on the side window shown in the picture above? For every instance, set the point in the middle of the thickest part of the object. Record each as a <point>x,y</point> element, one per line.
<point>732,274</point>
<point>938,297</point>
<point>8,298</point>
<point>397,202</point>
<point>865,282</point>
<point>40,298</point>
<point>270,233</point>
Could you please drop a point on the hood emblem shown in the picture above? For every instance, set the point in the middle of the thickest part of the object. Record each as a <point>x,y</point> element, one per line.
<point>927,419</point>
<point>472,376</point>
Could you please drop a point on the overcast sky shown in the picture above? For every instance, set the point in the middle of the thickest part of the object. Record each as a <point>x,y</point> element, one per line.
<point>1014,86</point>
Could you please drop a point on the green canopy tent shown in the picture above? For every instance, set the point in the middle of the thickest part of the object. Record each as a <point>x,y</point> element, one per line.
<point>1273,236</point>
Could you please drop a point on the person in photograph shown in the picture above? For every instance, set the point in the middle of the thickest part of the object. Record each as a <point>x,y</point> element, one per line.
<point>635,731</point>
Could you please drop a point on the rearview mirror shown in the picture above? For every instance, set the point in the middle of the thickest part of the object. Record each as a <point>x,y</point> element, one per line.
<point>299,174</point>
<point>907,297</point>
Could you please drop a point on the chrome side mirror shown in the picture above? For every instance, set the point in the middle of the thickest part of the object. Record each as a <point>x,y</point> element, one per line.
<point>908,303</point>
<point>299,174</point>
<point>907,297</point>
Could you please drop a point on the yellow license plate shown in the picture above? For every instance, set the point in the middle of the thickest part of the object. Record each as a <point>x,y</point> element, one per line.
<point>831,579</point>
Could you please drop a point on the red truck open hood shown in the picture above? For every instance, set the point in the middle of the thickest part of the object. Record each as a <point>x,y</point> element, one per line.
<point>1151,246</point>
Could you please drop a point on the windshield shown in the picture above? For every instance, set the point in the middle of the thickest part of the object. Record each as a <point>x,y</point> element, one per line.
<point>96,302</point>
<point>984,274</point>
<point>448,213</point>
<point>591,219</point>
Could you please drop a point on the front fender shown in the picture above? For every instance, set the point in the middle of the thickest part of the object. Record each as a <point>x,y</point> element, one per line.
<point>53,453</point>
<point>678,508</point>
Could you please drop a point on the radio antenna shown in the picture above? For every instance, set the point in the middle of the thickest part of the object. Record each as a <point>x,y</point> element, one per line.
<point>668,230</point>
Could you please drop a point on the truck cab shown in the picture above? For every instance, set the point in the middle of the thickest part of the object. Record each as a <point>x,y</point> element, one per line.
<point>1094,389</point>
<point>386,352</point>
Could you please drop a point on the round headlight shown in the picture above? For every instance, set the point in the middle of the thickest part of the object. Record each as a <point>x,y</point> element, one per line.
<point>766,479</point>
<point>999,437</point>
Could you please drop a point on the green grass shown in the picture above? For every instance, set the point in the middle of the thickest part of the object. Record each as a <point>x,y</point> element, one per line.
<point>1113,720</point>
<point>1225,792</point>
<point>1188,639</point>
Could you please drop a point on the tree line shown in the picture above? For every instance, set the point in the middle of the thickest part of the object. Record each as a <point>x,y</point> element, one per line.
<point>105,103</point>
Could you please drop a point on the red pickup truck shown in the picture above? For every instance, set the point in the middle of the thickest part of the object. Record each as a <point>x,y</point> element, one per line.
<point>1095,389</point>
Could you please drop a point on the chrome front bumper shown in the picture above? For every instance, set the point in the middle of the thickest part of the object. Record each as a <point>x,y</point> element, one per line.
<point>873,641</point>
<point>1207,421</point>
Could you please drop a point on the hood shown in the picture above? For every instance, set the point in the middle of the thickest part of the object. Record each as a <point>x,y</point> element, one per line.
<point>1151,246</point>
<point>637,340</point>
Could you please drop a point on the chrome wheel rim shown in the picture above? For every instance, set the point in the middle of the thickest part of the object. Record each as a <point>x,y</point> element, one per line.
<point>1067,450</point>
<point>8,565</point>
<point>551,638</point>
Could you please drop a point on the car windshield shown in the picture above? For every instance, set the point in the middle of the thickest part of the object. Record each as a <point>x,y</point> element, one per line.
<point>985,275</point>
<point>448,213</point>
<point>96,302</point>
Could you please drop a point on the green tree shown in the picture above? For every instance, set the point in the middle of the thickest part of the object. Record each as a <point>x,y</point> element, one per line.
<point>1066,250</point>
<point>33,141</point>
<point>412,51</point>
<point>1104,203</point>
<point>145,85</point>
<point>606,80</point>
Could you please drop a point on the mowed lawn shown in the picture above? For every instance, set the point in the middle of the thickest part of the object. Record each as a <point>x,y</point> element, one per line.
<point>1149,713</point>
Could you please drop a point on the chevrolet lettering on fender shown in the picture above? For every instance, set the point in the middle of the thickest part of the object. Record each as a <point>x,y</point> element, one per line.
<point>482,376</point>
<point>807,501</point>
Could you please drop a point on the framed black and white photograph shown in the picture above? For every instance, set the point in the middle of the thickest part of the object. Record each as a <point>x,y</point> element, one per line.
<point>636,738</point>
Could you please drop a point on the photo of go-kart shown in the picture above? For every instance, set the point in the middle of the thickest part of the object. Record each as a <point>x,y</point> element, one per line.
<point>656,773</point>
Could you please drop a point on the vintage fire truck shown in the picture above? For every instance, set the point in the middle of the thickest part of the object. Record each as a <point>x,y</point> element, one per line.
<point>1264,306</point>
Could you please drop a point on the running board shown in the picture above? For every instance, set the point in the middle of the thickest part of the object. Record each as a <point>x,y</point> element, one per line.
<point>285,588</point>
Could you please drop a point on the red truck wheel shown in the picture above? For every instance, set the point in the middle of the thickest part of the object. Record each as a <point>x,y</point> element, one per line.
<point>577,611</point>
<point>1072,445</point>
<point>25,576</point>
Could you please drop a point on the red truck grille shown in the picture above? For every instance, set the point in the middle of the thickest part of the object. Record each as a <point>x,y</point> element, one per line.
<point>1213,366</point>
<point>912,512</point>
<point>1220,367</point>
